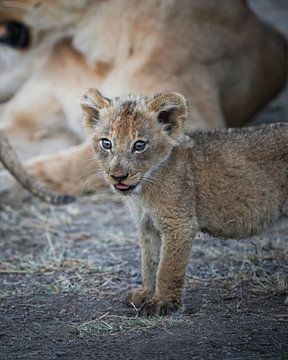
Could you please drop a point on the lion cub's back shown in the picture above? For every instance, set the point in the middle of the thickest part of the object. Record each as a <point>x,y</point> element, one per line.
<point>241,178</point>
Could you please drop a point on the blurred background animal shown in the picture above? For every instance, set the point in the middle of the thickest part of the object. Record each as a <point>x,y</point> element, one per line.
<point>11,162</point>
<point>225,60</point>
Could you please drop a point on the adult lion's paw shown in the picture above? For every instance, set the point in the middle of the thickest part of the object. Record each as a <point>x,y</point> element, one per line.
<point>155,306</point>
<point>139,296</point>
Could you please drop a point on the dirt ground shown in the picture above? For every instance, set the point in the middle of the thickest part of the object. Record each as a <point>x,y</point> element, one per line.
<point>64,272</point>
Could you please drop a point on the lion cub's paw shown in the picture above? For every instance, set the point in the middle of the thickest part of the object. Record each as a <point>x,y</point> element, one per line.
<point>155,306</point>
<point>139,296</point>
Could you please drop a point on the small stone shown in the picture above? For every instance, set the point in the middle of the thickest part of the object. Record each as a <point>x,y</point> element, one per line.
<point>60,353</point>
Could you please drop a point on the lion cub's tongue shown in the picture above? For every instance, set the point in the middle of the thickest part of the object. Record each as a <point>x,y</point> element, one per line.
<point>121,186</point>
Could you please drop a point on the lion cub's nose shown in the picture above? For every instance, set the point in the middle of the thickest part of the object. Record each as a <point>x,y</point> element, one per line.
<point>119,177</point>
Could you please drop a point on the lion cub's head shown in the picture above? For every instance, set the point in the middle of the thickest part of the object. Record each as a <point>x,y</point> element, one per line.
<point>132,135</point>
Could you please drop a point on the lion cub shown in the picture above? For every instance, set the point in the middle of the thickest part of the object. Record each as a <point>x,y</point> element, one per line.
<point>231,183</point>
<point>11,162</point>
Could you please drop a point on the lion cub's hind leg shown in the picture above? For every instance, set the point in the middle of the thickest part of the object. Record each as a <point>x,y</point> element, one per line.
<point>150,242</point>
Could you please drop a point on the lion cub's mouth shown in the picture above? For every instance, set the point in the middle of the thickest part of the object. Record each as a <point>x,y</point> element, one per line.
<point>124,188</point>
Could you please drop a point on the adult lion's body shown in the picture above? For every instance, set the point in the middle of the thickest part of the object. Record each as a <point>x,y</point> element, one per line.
<point>10,161</point>
<point>218,54</point>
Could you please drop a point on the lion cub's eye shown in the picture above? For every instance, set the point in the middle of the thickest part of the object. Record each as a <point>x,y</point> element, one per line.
<point>139,146</point>
<point>105,144</point>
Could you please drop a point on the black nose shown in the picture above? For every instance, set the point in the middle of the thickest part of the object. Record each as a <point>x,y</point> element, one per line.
<point>119,178</point>
<point>14,34</point>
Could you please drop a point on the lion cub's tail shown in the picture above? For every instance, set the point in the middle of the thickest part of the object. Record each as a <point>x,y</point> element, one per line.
<point>12,163</point>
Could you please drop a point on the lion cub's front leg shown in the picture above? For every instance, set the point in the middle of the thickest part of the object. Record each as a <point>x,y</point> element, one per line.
<point>177,239</point>
<point>150,243</point>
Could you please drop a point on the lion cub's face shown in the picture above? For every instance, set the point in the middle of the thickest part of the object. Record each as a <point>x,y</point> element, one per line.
<point>132,135</point>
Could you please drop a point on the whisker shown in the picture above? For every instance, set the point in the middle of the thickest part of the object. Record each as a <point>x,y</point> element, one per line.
<point>90,180</point>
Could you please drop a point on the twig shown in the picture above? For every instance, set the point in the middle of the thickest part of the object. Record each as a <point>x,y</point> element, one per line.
<point>102,316</point>
<point>31,305</point>
<point>270,318</point>
<point>3,271</point>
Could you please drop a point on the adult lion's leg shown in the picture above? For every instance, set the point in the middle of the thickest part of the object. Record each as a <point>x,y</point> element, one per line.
<point>73,170</point>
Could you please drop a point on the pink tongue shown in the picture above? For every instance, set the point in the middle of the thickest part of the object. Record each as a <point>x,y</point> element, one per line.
<point>121,186</point>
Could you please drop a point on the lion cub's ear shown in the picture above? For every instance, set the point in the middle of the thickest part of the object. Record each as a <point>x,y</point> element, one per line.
<point>171,111</point>
<point>92,102</point>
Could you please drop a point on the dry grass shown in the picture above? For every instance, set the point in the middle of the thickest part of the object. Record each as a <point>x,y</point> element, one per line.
<point>108,323</point>
<point>48,264</point>
<point>91,247</point>
<point>259,263</point>
<point>53,272</point>
<point>7,294</point>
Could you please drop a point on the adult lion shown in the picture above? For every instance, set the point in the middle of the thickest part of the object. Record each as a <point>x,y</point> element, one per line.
<point>226,61</point>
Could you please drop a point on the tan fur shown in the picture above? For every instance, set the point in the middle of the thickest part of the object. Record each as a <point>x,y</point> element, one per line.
<point>231,183</point>
<point>11,162</point>
<point>225,61</point>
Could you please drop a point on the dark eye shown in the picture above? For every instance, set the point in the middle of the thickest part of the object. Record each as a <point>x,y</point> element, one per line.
<point>139,146</point>
<point>106,144</point>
